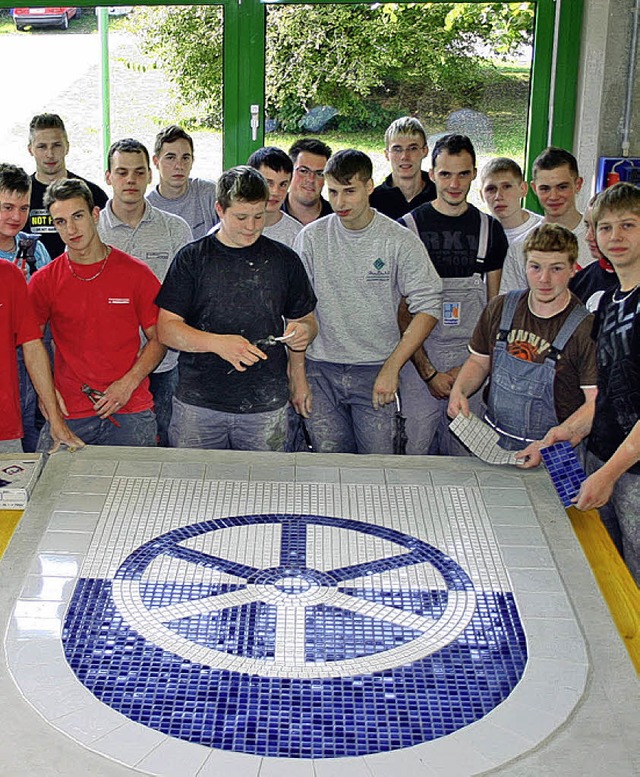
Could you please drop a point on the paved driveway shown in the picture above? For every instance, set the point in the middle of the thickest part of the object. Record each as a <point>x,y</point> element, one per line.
<point>61,74</point>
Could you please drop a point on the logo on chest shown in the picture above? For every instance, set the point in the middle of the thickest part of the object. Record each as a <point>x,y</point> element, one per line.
<point>378,271</point>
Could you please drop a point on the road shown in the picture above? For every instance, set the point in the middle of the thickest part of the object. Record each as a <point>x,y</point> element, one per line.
<point>60,73</point>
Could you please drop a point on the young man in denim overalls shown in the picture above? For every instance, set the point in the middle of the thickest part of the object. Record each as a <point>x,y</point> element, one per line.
<point>534,345</point>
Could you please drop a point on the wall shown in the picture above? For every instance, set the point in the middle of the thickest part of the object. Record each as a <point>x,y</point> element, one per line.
<point>606,41</point>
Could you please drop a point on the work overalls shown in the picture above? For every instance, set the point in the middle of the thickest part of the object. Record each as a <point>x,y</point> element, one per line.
<point>521,406</point>
<point>463,300</point>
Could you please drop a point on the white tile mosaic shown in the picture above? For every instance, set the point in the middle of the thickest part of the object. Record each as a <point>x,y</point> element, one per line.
<point>261,627</point>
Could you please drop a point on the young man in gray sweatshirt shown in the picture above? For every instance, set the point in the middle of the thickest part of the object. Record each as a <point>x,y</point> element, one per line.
<point>361,264</point>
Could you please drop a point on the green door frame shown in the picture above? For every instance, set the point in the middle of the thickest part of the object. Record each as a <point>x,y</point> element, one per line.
<point>552,101</point>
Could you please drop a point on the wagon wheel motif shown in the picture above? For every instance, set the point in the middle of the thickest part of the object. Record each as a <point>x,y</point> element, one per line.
<point>292,588</point>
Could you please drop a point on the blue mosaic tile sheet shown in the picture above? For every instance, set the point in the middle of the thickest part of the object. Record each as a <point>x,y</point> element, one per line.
<point>292,657</point>
<point>565,470</point>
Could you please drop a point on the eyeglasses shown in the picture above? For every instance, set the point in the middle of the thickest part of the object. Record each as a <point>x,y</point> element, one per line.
<point>307,172</point>
<point>414,148</point>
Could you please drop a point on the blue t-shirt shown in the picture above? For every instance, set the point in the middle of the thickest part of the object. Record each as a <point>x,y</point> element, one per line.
<point>41,253</point>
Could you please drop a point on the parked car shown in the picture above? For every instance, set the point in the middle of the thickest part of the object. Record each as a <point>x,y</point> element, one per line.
<point>44,17</point>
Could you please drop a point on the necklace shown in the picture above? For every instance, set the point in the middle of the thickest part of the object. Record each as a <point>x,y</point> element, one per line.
<point>103,262</point>
<point>628,294</point>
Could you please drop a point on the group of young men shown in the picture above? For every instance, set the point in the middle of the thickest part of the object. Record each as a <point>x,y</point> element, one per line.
<point>229,314</point>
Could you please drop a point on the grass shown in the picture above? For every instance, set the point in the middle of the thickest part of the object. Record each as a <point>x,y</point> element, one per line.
<point>504,100</point>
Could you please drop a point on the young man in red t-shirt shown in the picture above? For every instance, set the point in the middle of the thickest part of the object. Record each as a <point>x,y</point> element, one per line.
<point>18,326</point>
<point>96,299</point>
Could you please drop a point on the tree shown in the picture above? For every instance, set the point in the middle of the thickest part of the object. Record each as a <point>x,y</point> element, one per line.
<point>368,61</point>
<point>186,42</point>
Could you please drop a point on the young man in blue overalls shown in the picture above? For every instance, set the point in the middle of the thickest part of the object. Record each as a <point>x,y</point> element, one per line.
<point>534,345</point>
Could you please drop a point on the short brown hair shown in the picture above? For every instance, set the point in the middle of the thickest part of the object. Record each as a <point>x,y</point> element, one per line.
<point>552,238</point>
<point>169,135</point>
<point>619,198</point>
<point>553,157</point>
<point>68,189</point>
<point>501,164</point>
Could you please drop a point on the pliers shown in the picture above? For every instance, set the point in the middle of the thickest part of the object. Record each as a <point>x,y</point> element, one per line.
<point>267,342</point>
<point>94,395</point>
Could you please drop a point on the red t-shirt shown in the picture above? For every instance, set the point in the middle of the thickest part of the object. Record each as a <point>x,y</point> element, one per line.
<point>18,325</point>
<point>95,324</point>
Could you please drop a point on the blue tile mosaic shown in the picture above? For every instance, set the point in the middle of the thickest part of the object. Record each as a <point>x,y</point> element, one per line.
<point>308,715</point>
<point>565,470</point>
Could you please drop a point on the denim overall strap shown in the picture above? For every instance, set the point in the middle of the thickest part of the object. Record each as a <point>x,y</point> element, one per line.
<point>574,319</point>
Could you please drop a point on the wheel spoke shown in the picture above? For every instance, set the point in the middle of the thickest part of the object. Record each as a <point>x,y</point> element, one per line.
<point>206,560</point>
<point>382,612</point>
<point>206,605</point>
<point>368,568</point>
<point>291,635</point>
<point>293,543</point>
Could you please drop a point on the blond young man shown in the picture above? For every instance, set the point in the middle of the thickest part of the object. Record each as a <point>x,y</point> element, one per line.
<point>502,187</point>
<point>49,146</point>
<point>612,423</point>
<point>408,185</point>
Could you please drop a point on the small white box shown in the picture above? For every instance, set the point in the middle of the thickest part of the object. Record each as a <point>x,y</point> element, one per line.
<point>18,477</point>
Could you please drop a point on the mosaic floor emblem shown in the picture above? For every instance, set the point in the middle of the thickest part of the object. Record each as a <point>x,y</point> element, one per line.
<point>294,635</point>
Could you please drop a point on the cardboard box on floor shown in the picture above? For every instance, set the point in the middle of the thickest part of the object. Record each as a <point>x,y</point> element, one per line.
<point>18,477</point>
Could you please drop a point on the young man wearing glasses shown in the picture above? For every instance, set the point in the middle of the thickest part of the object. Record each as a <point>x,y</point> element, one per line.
<point>304,201</point>
<point>408,185</point>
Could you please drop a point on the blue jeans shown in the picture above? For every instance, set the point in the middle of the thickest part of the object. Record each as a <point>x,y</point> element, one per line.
<point>343,419</point>
<point>163,386</point>
<point>200,427</point>
<point>621,515</point>
<point>28,406</point>
<point>136,429</point>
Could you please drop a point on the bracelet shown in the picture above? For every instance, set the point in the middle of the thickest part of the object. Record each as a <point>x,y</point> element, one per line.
<point>431,377</point>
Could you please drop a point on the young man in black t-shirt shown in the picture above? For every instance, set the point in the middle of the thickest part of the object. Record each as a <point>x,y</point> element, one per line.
<point>239,307</point>
<point>613,423</point>
<point>408,185</point>
<point>49,146</point>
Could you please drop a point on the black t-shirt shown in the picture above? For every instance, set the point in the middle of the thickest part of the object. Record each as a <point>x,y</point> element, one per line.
<point>240,291</point>
<point>325,208</point>
<point>452,241</point>
<point>389,199</point>
<point>590,283</point>
<point>41,223</point>
<point>617,328</point>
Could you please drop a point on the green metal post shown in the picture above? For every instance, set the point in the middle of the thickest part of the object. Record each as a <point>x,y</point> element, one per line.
<point>244,72</point>
<point>540,90</point>
<point>103,31</point>
<point>567,71</point>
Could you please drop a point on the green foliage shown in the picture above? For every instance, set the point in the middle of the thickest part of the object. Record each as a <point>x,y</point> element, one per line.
<point>371,62</point>
<point>186,42</point>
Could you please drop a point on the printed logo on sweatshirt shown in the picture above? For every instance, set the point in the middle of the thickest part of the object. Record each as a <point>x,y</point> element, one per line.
<point>378,271</point>
<point>119,301</point>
